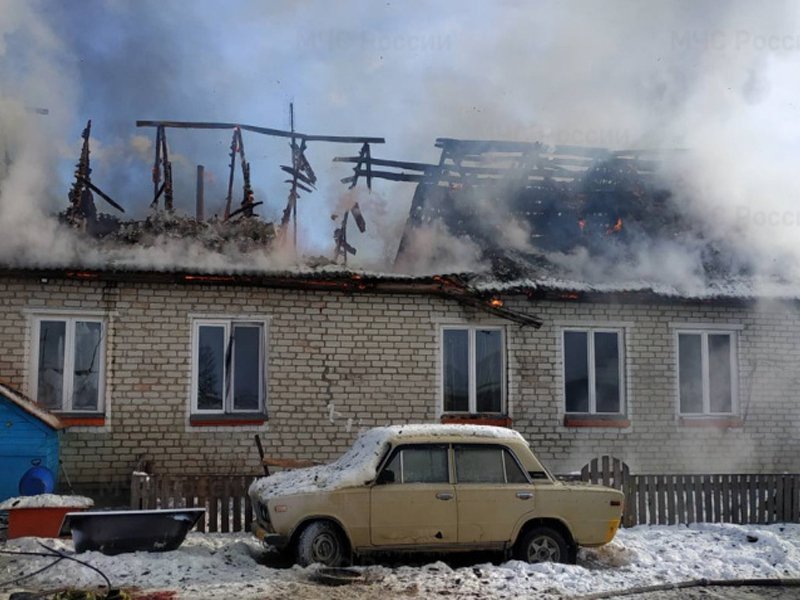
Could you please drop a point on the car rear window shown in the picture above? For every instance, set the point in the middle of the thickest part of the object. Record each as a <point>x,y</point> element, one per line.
<point>487,464</point>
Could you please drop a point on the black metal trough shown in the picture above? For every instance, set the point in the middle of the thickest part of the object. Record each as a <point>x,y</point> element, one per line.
<point>118,531</point>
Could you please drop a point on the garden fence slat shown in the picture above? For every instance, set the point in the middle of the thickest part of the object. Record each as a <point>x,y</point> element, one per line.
<point>697,487</point>
<point>237,504</point>
<point>671,514</point>
<point>661,498</point>
<point>225,508</point>
<point>680,505</point>
<point>725,513</point>
<point>716,487</point>
<point>689,491</point>
<point>735,491</point>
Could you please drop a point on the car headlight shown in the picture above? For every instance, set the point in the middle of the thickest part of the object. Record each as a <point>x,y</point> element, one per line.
<point>263,512</point>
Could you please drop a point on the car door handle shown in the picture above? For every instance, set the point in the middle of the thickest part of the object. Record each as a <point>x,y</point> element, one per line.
<point>444,496</point>
<point>524,495</point>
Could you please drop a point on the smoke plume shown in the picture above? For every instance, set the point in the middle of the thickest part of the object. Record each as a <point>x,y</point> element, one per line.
<point>713,79</point>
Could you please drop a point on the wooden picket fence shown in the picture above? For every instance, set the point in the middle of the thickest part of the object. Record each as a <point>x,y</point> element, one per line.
<point>649,499</point>
<point>228,507</point>
<point>723,498</point>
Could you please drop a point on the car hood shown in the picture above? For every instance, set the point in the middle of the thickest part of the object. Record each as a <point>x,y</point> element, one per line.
<point>356,467</point>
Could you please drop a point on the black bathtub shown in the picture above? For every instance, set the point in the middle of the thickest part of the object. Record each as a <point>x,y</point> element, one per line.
<point>118,531</point>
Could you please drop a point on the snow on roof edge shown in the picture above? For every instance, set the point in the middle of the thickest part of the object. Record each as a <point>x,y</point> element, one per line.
<point>30,407</point>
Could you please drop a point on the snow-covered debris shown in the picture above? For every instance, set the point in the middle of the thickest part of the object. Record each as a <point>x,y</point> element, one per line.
<point>358,465</point>
<point>47,501</point>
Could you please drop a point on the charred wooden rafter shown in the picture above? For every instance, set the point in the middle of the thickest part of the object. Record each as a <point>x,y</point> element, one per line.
<point>302,174</point>
<point>82,212</point>
<point>248,198</point>
<point>308,137</point>
<point>162,164</point>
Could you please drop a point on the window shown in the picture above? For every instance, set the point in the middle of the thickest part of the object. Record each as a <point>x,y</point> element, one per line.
<point>229,367</point>
<point>593,371</point>
<point>69,360</point>
<point>487,464</point>
<point>473,369</point>
<point>417,464</point>
<point>707,372</point>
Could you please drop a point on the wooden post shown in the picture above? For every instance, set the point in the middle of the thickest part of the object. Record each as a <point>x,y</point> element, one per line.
<point>200,202</point>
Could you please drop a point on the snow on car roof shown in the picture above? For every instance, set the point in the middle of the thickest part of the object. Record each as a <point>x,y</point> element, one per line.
<point>357,466</point>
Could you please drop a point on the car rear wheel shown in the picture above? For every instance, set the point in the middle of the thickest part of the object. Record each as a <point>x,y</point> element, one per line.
<point>321,542</point>
<point>543,544</point>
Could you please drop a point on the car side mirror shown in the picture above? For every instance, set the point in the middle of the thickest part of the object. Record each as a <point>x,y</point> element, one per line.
<point>385,476</point>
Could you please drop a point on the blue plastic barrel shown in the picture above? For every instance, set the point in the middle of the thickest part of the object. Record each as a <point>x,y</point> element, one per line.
<point>37,480</point>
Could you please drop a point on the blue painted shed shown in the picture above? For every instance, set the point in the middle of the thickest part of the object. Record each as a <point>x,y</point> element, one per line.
<point>28,436</point>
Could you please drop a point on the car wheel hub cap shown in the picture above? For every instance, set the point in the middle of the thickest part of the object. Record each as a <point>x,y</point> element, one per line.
<point>325,549</point>
<point>543,549</point>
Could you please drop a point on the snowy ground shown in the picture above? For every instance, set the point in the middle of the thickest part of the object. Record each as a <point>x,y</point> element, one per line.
<point>234,566</point>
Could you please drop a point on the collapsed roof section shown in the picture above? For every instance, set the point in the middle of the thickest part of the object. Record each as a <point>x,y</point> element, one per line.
<point>240,226</point>
<point>562,197</point>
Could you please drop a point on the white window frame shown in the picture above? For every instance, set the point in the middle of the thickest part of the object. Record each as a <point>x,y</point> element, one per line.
<point>590,331</point>
<point>69,359</point>
<point>704,369</point>
<point>227,401</point>
<point>472,368</point>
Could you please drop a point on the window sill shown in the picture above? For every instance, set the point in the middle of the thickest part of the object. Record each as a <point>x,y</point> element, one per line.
<point>711,422</point>
<point>596,421</point>
<point>227,420</point>
<point>496,420</point>
<point>79,420</point>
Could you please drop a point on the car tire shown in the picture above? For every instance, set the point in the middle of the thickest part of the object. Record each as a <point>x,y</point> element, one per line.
<point>544,544</point>
<point>321,542</point>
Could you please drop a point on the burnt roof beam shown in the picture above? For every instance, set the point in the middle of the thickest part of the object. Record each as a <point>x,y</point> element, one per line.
<point>264,130</point>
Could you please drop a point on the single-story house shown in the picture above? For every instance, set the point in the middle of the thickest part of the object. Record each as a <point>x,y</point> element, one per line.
<point>180,370</point>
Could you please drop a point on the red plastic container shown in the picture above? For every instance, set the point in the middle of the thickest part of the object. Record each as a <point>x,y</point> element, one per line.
<point>37,522</point>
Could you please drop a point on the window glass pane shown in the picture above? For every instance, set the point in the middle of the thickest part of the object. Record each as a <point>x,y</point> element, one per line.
<point>690,372</point>
<point>247,363</point>
<point>50,387</point>
<point>576,371</point>
<point>719,372</point>
<point>86,378</point>
<point>210,367</point>
<point>606,372</point>
<point>489,370</point>
<point>425,465</point>
<point>514,473</point>
<point>456,370</point>
<point>392,467</point>
<point>479,465</point>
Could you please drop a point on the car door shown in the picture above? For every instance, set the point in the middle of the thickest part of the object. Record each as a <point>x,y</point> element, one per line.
<point>413,501</point>
<point>492,492</point>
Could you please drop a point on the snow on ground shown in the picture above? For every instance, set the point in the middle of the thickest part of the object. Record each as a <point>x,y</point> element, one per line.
<point>219,566</point>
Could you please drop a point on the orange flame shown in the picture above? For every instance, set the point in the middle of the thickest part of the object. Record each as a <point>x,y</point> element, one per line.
<point>616,228</point>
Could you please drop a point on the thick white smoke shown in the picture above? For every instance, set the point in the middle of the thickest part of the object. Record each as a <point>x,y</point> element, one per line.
<point>716,79</point>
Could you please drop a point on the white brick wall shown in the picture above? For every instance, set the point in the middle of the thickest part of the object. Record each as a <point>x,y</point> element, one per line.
<point>374,358</point>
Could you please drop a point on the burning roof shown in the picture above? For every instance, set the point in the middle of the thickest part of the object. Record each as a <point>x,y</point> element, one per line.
<point>561,202</point>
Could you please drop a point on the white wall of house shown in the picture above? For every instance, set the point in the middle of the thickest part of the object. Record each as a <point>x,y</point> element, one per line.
<point>335,363</point>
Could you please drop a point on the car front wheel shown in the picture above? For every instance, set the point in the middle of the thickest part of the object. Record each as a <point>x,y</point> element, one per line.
<point>543,544</point>
<point>321,542</point>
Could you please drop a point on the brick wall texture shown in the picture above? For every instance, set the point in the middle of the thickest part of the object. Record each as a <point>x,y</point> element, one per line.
<point>339,363</point>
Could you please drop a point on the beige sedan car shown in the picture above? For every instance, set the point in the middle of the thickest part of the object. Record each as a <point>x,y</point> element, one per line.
<point>433,488</point>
